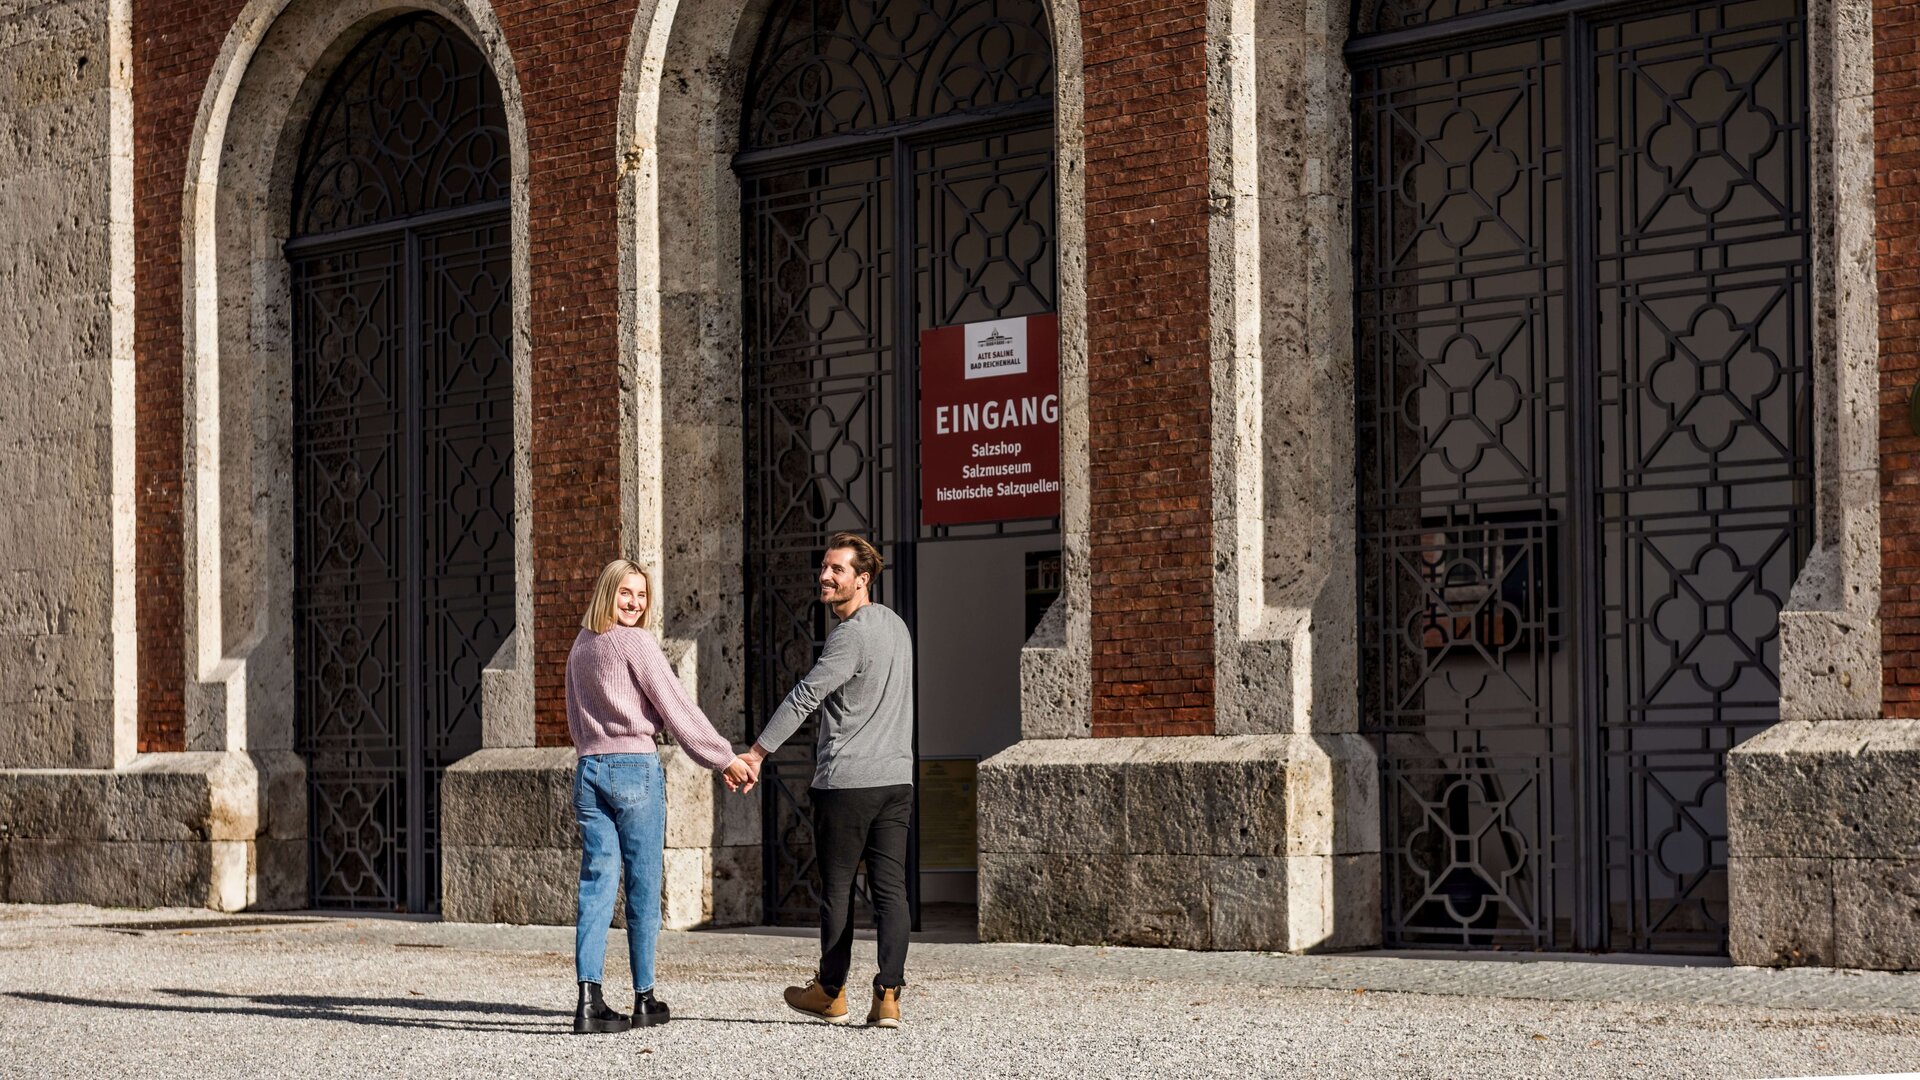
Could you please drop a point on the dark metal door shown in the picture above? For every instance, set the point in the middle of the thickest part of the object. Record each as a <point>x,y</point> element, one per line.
<point>897,175</point>
<point>402,449</point>
<point>1585,458</point>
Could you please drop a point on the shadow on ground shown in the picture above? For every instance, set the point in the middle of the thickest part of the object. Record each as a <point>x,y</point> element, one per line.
<point>445,1015</point>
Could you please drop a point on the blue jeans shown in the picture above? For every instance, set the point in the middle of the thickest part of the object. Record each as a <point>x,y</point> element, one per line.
<point>620,802</point>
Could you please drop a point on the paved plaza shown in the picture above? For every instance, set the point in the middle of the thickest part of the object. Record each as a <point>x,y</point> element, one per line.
<point>103,992</point>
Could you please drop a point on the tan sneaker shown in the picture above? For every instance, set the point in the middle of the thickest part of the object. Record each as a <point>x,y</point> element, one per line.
<point>812,999</point>
<point>886,1007</point>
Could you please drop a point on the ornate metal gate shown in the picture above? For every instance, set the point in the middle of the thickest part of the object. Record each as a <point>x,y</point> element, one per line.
<point>896,174</point>
<point>1582,263</point>
<point>402,444</point>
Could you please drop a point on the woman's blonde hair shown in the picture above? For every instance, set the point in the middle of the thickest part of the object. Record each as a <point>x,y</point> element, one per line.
<point>600,615</point>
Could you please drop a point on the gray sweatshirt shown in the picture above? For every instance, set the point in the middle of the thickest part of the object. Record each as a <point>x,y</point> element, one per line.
<point>862,688</point>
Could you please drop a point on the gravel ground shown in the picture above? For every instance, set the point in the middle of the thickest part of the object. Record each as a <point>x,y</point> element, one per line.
<point>399,997</point>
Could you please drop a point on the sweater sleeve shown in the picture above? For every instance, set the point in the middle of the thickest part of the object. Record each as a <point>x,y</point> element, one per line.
<point>839,661</point>
<point>687,724</point>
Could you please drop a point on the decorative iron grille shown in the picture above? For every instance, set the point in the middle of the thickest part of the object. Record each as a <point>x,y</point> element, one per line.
<point>410,123</point>
<point>1585,460</point>
<point>836,67</point>
<point>403,436</point>
<point>897,175</point>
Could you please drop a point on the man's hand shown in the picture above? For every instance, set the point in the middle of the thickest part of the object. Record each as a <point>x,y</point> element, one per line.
<point>741,774</point>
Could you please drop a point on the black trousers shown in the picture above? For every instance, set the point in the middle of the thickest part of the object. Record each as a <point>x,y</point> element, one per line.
<point>850,824</point>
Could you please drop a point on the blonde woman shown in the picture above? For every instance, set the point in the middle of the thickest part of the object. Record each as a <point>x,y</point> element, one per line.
<point>620,694</point>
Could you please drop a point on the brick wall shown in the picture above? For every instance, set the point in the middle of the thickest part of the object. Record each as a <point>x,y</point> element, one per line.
<point>174,45</point>
<point>568,56</point>
<point>1148,372</point>
<point>1896,123</point>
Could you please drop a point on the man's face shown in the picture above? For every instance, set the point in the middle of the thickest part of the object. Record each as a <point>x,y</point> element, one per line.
<point>838,582</point>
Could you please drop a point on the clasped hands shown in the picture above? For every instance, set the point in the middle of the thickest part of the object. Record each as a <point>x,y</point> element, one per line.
<point>743,772</point>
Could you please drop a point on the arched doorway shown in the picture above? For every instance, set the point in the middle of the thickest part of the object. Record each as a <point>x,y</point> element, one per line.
<point>402,449</point>
<point>1585,453</point>
<point>896,171</point>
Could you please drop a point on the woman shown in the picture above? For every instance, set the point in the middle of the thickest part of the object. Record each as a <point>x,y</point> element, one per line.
<point>620,694</point>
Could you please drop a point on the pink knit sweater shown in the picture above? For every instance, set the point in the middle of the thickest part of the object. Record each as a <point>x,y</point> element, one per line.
<point>621,692</point>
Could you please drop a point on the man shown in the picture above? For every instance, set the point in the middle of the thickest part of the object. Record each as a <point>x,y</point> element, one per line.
<point>862,691</point>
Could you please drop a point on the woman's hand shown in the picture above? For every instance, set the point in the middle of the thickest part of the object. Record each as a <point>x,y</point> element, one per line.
<point>741,774</point>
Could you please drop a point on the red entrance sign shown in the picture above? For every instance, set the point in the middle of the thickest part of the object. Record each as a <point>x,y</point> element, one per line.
<point>990,421</point>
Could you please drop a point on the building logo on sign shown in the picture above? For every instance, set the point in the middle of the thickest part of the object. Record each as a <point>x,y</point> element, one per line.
<point>996,348</point>
<point>990,421</point>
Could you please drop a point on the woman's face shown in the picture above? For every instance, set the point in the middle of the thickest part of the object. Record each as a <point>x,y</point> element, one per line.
<point>630,606</point>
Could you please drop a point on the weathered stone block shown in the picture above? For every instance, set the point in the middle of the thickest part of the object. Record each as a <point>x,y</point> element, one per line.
<point>512,798</point>
<point>1055,681</point>
<point>1249,903</point>
<point>279,875</point>
<point>1828,789</point>
<point>1184,830</point>
<point>1356,792</point>
<point>1058,795</point>
<point>1353,917</point>
<point>736,886</point>
<point>1066,899</point>
<point>63,734</point>
<point>283,795</point>
<point>108,873</point>
<point>1243,795</point>
<point>686,888</point>
<point>161,797</point>
<point>1876,913</point>
<point>510,884</point>
<point>691,798</point>
<point>1780,911</point>
<point>1208,808</point>
<point>1166,902</point>
<point>739,820</point>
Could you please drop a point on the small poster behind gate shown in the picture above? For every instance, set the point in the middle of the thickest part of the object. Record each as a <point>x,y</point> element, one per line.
<point>990,421</point>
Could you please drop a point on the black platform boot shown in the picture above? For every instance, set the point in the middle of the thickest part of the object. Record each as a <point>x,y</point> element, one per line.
<point>649,1010</point>
<point>592,1014</point>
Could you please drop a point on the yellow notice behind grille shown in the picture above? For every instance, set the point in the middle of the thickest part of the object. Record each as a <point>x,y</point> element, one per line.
<point>949,838</point>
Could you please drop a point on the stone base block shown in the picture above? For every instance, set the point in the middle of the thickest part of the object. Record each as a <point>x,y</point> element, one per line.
<point>1824,845</point>
<point>511,851</point>
<point>109,873</point>
<point>1245,842</point>
<point>280,874</point>
<point>509,884</point>
<point>219,830</point>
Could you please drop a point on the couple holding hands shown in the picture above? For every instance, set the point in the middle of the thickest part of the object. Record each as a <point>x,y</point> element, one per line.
<point>621,693</point>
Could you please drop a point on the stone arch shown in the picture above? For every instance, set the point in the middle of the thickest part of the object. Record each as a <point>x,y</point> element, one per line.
<point>237,323</point>
<point>681,319</point>
<point>681,420</point>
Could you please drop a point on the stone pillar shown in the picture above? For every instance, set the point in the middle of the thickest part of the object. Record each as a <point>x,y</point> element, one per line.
<point>1195,843</point>
<point>1823,809</point>
<point>1258,828</point>
<point>1824,864</point>
<point>65,405</point>
<point>82,817</point>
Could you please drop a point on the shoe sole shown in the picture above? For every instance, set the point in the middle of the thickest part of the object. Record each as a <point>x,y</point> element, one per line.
<point>823,1017</point>
<point>885,1022</point>
<point>651,1021</point>
<point>600,1027</point>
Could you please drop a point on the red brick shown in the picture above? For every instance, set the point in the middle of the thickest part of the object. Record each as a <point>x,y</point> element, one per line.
<point>1897,184</point>
<point>1148,366</point>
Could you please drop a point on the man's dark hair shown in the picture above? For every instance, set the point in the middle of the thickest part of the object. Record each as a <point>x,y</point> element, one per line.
<point>866,557</point>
